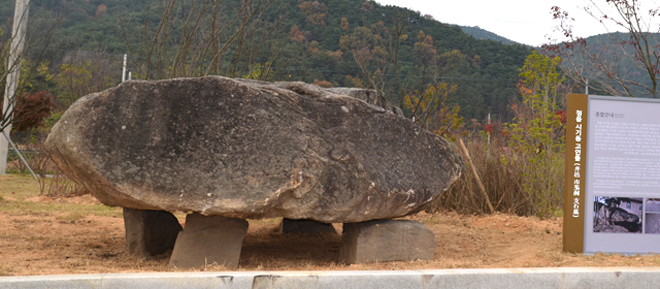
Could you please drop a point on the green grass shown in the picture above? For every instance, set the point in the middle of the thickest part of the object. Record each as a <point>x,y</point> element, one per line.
<point>18,186</point>
<point>15,189</point>
<point>35,208</point>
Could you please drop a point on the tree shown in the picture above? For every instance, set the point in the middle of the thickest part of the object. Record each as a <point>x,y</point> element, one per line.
<point>432,110</point>
<point>344,24</point>
<point>296,34</point>
<point>426,52</point>
<point>35,101</point>
<point>37,42</point>
<point>625,64</point>
<point>367,7</point>
<point>433,91</point>
<point>32,109</point>
<point>367,50</point>
<point>316,12</point>
<point>540,76</point>
<point>376,52</point>
<point>80,77</point>
<point>100,10</point>
<point>196,38</point>
<point>537,133</point>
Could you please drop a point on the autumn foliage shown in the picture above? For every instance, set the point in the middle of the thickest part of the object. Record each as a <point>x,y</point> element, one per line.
<point>31,110</point>
<point>100,10</point>
<point>322,83</point>
<point>316,12</point>
<point>296,35</point>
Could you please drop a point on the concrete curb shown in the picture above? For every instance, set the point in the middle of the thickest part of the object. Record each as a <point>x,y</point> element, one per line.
<point>582,278</point>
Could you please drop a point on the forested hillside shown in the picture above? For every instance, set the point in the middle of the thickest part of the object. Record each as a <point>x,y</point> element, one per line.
<point>480,33</point>
<point>612,62</point>
<point>419,63</point>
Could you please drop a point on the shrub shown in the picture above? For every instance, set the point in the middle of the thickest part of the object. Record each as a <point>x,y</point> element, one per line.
<point>31,110</point>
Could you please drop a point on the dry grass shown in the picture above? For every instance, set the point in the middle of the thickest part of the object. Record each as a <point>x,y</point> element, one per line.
<point>504,174</point>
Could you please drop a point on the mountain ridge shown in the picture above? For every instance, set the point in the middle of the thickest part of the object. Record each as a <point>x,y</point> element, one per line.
<point>483,34</point>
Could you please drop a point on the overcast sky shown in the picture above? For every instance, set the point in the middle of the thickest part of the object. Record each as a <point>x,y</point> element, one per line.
<point>524,21</point>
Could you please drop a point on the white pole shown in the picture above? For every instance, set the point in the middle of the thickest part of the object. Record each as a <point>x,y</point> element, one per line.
<point>130,75</point>
<point>123,70</point>
<point>586,87</point>
<point>20,156</point>
<point>14,67</point>
<point>489,123</point>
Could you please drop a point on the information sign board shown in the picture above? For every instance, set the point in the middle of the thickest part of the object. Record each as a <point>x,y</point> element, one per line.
<point>612,181</point>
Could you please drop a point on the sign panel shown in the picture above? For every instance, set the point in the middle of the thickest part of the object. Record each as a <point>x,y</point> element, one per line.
<point>612,190</point>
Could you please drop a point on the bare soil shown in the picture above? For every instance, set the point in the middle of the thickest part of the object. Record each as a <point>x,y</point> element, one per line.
<point>37,238</point>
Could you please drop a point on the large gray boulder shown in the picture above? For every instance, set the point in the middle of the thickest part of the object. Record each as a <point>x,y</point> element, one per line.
<point>248,149</point>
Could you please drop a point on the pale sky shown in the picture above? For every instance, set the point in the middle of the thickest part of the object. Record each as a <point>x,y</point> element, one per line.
<point>523,21</point>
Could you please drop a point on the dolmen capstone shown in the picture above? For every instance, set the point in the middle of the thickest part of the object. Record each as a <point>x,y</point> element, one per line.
<point>225,150</point>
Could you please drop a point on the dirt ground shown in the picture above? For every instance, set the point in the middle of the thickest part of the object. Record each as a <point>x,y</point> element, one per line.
<point>42,235</point>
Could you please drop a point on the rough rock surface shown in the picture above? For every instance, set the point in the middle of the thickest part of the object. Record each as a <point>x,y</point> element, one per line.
<point>386,240</point>
<point>250,149</point>
<point>209,240</point>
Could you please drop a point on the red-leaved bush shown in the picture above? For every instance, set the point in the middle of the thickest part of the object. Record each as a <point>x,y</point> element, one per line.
<point>31,110</point>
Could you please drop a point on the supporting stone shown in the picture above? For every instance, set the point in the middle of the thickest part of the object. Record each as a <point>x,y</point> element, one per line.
<point>386,240</point>
<point>150,233</point>
<point>291,226</point>
<point>209,240</point>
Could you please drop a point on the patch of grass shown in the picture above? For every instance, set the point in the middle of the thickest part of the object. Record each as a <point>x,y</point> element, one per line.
<point>272,221</point>
<point>18,186</point>
<point>36,208</point>
<point>71,218</point>
<point>34,238</point>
